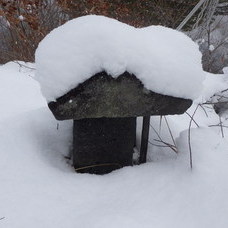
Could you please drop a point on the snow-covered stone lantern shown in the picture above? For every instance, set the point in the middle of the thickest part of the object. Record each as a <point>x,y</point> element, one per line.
<point>103,74</point>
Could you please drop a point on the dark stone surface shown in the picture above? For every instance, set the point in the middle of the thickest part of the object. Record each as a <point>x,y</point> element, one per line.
<point>104,110</point>
<point>104,144</point>
<point>125,96</point>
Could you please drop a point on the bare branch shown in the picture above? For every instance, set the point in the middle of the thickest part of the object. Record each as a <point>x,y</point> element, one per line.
<point>189,138</point>
<point>192,119</point>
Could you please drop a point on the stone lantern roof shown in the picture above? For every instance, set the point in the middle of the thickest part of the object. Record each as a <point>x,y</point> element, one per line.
<point>104,96</point>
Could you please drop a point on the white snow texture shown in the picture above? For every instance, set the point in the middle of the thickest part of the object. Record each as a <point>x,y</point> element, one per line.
<point>38,189</point>
<point>165,60</point>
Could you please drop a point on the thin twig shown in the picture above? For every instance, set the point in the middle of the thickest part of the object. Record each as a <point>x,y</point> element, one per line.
<point>161,141</point>
<point>170,132</point>
<point>224,90</point>
<point>221,96</point>
<point>217,125</point>
<point>201,106</point>
<point>22,65</point>
<point>153,144</point>
<point>213,103</point>
<point>98,165</point>
<point>172,147</point>
<point>220,123</point>
<point>192,119</point>
<point>160,123</point>
<point>189,138</point>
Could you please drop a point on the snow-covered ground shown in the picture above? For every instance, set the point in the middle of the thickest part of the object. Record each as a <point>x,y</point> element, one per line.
<point>39,189</point>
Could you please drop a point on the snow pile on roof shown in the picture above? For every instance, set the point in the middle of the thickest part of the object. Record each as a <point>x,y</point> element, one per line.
<point>165,60</point>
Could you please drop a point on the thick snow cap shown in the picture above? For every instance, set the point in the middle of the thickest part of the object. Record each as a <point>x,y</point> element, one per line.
<point>165,60</point>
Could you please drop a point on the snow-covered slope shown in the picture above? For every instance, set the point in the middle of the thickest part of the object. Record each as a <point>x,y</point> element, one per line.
<point>39,189</point>
<point>165,60</point>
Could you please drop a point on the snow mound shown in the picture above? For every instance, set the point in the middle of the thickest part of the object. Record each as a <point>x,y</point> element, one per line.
<point>213,84</point>
<point>165,60</point>
<point>225,70</point>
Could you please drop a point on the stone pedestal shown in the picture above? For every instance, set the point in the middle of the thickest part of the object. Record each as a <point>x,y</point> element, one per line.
<point>102,145</point>
<point>104,110</point>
